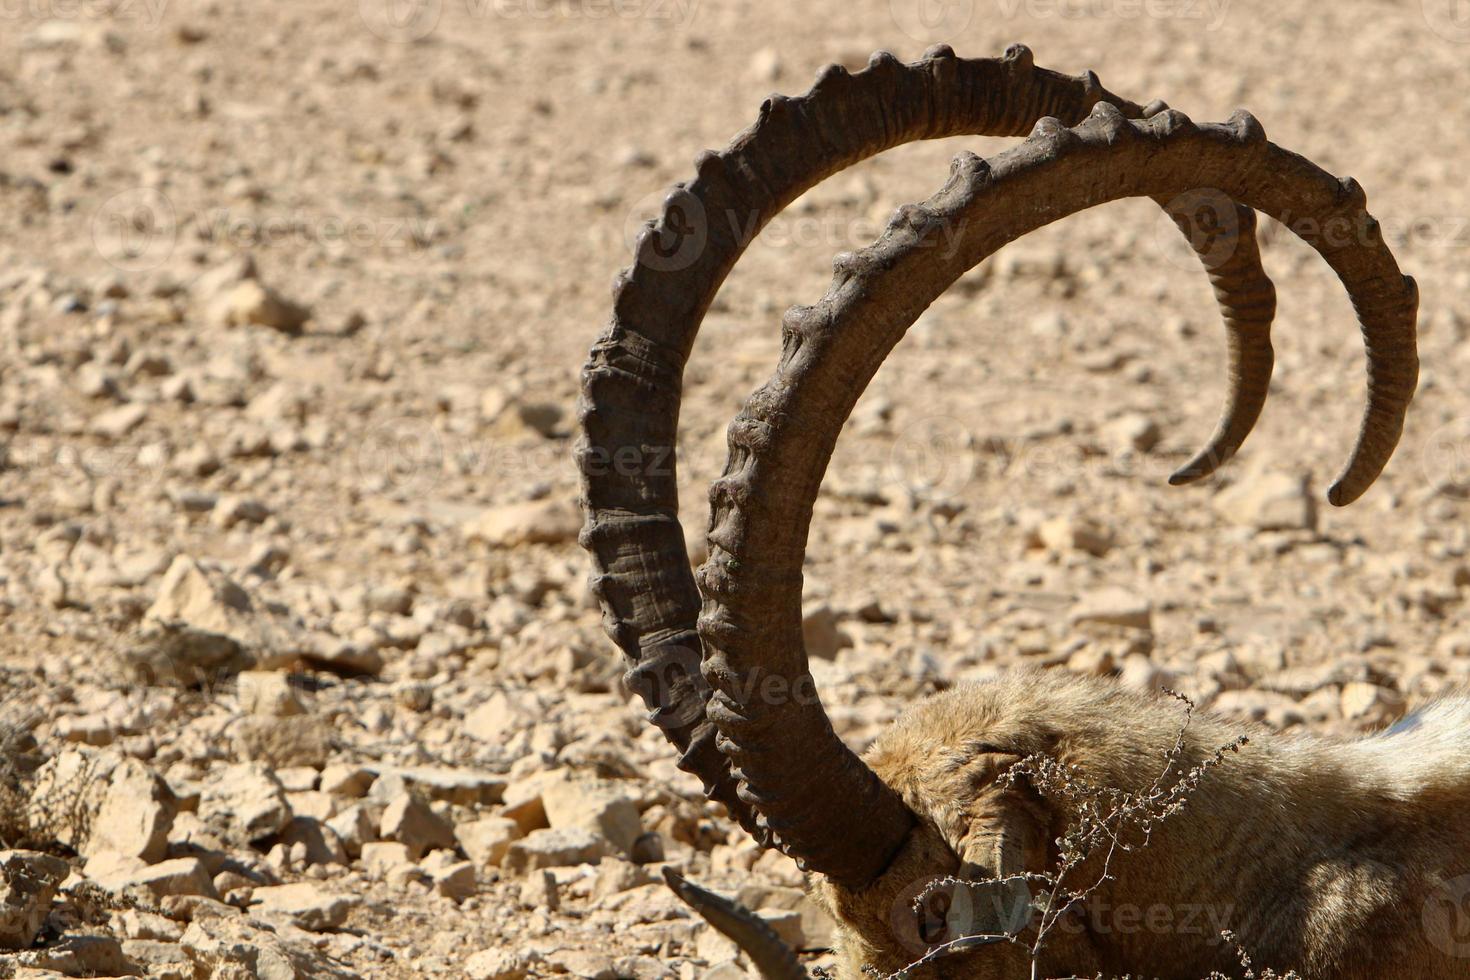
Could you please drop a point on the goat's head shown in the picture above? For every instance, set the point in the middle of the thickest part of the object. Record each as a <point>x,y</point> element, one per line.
<point>721,665</point>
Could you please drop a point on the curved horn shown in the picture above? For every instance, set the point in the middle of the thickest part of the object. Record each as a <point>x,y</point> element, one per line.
<point>1248,300</point>
<point>631,386</point>
<point>771,957</point>
<point>814,796</point>
<point>1228,248</point>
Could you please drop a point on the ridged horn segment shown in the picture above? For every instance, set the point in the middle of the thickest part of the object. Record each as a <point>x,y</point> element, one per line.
<point>1247,299</point>
<point>815,798</point>
<point>632,383</point>
<point>771,957</point>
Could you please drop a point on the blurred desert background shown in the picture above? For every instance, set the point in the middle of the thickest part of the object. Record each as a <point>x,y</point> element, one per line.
<point>299,673</point>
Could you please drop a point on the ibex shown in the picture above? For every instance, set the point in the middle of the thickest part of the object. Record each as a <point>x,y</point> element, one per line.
<point>1328,857</point>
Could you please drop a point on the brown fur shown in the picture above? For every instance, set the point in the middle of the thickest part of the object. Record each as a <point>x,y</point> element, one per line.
<point>1334,857</point>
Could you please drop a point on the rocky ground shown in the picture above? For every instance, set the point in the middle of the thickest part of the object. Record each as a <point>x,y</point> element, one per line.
<point>299,675</point>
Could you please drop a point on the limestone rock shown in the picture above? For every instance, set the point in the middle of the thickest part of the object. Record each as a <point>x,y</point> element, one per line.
<point>252,302</point>
<point>206,599</point>
<point>464,787</point>
<point>765,65</point>
<point>512,418</point>
<point>498,716</point>
<point>246,801</point>
<point>412,823</point>
<point>1369,704</point>
<point>343,779</point>
<point>342,656</point>
<point>1142,674</point>
<point>28,882</point>
<point>1131,433</point>
<point>451,877</point>
<point>118,422</point>
<point>103,802</point>
<point>786,923</point>
<point>1268,502</point>
<point>596,805</point>
<point>584,963</point>
<point>181,876</point>
<point>268,693</point>
<point>539,891</point>
<point>136,814</point>
<point>157,958</point>
<point>550,521</point>
<point>321,843</point>
<point>499,964</point>
<point>1276,710</point>
<point>282,743</point>
<point>555,849</point>
<point>381,858</point>
<point>306,904</point>
<point>228,946</point>
<point>73,956</point>
<point>820,632</point>
<point>1064,535</point>
<point>177,654</point>
<point>615,876</point>
<point>357,826</point>
<point>1113,607</point>
<point>488,839</point>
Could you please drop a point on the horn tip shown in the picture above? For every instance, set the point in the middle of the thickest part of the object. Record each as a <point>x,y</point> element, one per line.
<point>1204,464</point>
<point>1340,494</point>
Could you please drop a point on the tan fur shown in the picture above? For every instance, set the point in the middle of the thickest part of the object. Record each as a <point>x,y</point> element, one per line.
<point>1334,857</point>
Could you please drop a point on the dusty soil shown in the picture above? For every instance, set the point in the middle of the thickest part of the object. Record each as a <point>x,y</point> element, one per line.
<point>447,190</point>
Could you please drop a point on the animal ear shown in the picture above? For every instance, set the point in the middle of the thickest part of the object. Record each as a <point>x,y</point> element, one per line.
<point>997,858</point>
<point>1005,839</point>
